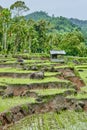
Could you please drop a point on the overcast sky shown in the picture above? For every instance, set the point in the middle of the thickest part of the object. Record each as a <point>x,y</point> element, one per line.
<point>66,8</point>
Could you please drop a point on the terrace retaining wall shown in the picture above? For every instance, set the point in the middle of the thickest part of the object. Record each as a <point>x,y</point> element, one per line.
<point>17,89</point>
<point>57,104</point>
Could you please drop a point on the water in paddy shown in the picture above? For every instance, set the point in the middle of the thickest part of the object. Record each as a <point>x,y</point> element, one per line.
<point>52,121</point>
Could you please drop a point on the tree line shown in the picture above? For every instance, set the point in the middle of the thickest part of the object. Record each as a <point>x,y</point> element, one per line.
<point>18,34</point>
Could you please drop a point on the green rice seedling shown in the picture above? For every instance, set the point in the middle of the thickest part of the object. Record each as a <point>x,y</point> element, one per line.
<point>39,122</point>
<point>6,104</point>
<point>51,73</point>
<point>46,122</point>
<point>14,70</point>
<point>27,80</point>
<point>66,120</point>
<point>60,122</point>
<point>50,91</point>
<point>84,89</point>
<point>78,96</point>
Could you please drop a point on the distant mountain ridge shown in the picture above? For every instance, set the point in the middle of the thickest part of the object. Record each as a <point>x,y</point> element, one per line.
<point>78,22</point>
<point>82,24</point>
<point>61,24</point>
<point>43,15</point>
<point>38,15</point>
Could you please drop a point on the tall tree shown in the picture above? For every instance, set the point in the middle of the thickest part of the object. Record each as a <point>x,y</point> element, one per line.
<point>41,28</point>
<point>71,42</point>
<point>5,20</point>
<point>19,7</point>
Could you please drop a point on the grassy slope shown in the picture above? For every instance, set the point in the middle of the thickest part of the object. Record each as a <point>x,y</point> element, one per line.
<point>14,70</point>
<point>29,81</point>
<point>83,75</point>
<point>7,103</point>
<point>49,91</point>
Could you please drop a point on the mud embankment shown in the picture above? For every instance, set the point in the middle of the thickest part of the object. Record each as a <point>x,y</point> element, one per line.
<point>17,89</point>
<point>57,103</point>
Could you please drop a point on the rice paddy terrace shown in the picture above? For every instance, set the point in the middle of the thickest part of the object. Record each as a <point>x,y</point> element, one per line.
<point>37,94</point>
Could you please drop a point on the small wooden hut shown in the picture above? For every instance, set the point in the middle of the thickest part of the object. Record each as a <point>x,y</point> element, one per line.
<point>57,56</point>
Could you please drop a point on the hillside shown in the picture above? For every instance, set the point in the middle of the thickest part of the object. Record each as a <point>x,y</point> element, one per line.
<point>60,24</point>
<point>82,24</point>
<point>38,16</point>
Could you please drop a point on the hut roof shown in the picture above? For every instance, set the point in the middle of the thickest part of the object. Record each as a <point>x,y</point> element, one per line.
<point>61,52</point>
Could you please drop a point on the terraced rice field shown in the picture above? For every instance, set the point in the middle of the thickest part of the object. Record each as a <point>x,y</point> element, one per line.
<point>67,120</point>
<point>55,82</point>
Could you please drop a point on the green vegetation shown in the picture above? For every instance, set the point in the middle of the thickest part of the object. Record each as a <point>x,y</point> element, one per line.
<point>25,43</point>
<point>84,89</point>
<point>82,24</point>
<point>18,71</point>
<point>50,91</point>
<point>8,103</point>
<point>61,24</point>
<point>79,96</point>
<point>67,120</point>
<point>21,35</point>
<point>25,107</point>
<point>28,81</point>
<point>14,70</point>
<point>51,74</point>
<point>84,75</point>
<point>83,72</point>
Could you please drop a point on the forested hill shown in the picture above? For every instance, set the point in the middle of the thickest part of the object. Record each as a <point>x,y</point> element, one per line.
<point>60,24</point>
<point>82,24</point>
<point>78,22</point>
<point>39,33</point>
<point>38,15</point>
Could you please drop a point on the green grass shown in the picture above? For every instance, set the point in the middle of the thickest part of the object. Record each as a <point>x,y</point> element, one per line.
<point>51,73</point>
<point>8,60</point>
<point>83,67</point>
<point>6,104</point>
<point>62,66</point>
<point>28,81</point>
<point>32,55</point>
<point>19,70</point>
<point>84,89</point>
<point>49,91</point>
<point>14,70</point>
<point>67,120</point>
<point>81,95</point>
<point>2,84</point>
<point>37,61</point>
<point>78,96</point>
<point>83,75</point>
